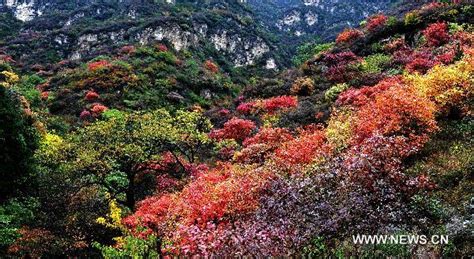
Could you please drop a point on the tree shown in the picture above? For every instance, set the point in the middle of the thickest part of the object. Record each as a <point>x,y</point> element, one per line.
<point>111,153</point>
<point>18,141</point>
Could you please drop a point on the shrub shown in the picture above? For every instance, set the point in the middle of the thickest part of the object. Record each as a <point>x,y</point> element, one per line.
<point>281,102</point>
<point>339,130</point>
<point>98,65</point>
<point>91,95</point>
<point>396,111</point>
<point>98,109</point>
<point>341,58</point>
<point>306,148</point>
<point>235,128</point>
<point>211,66</point>
<point>246,108</point>
<point>162,47</point>
<point>348,36</point>
<point>309,50</point>
<point>85,115</point>
<point>303,86</point>
<point>376,22</point>
<point>436,34</point>
<point>412,18</point>
<point>448,86</point>
<point>360,97</point>
<point>421,65</point>
<point>375,63</point>
<point>128,50</point>
<point>332,93</point>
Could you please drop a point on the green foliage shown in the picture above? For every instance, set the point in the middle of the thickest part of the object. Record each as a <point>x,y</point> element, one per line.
<point>9,25</point>
<point>375,63</point>
<point>14,214</point>
<point>316,248</point>
<point>132,247</point>
<point>27,88</point>
<point>19,139</point>
<point>309,50</point>
<point>112,114</point>
<point>332,93</point>
<point>108,152</point>
<point>392,21</point>
<point>412,18</point>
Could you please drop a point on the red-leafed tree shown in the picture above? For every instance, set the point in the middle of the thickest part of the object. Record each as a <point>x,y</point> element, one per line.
<point>375,22</point>
<point>436,34</point>
<point>235,128</point>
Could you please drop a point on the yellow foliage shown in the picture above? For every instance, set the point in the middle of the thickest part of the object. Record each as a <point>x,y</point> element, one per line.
<point>114,217</point>
<point>339,129</point>
<point>447,86</point>
<point>270,120</point>
<point>50,147</point>
<point>8,78</point>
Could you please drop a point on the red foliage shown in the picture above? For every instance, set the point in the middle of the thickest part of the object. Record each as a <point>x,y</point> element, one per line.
<point>98,108</point>
<point>402,56</point>
<point>276,103</point>
<point>396,111</point>
<point>211,66</point>
<point>162,47</point>
<point>224,112</point>
<point>262,144</point>
<point>466,39</point>
<point>376,22</point>
<point>221,192</point>
<point>433,5</point>
<point>269,136</point>
<point>63,63</point>
<point>128,50</point>
<point>348,36</point>
<point>85,115</point>
<point>436,34</point>
<point>173,165</point>
<point>246,108</point>
<point>91,95</point>
<point>32,243</point>
<point>341,73</point>
<point>166,183</point>
<point>235,128</point>
<point>98,65</point>
<point>380,158</point>
<point>340,69</point>
<point>44,95</point>
<point>346,57</point>
<point>304,149</point>
<point>447,57</point>
<point>395,45</point>
<point>7,58</point>
<point>360,97</point>
<point>421,65</point>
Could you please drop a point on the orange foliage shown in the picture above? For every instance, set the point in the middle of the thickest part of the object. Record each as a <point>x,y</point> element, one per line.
<point>348,36</point>
<point>310,144</point>
<point>98,65</point>
<point>396,111</point>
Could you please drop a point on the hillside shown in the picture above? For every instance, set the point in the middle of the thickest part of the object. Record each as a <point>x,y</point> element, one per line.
<point>237,33</point>
<point>144,149</point>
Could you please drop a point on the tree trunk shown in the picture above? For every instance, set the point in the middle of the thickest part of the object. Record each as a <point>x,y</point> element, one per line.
<point>130,192</point>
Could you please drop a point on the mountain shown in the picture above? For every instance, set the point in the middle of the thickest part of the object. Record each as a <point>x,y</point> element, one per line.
<point>237,33</point>
<point>84,29</point>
